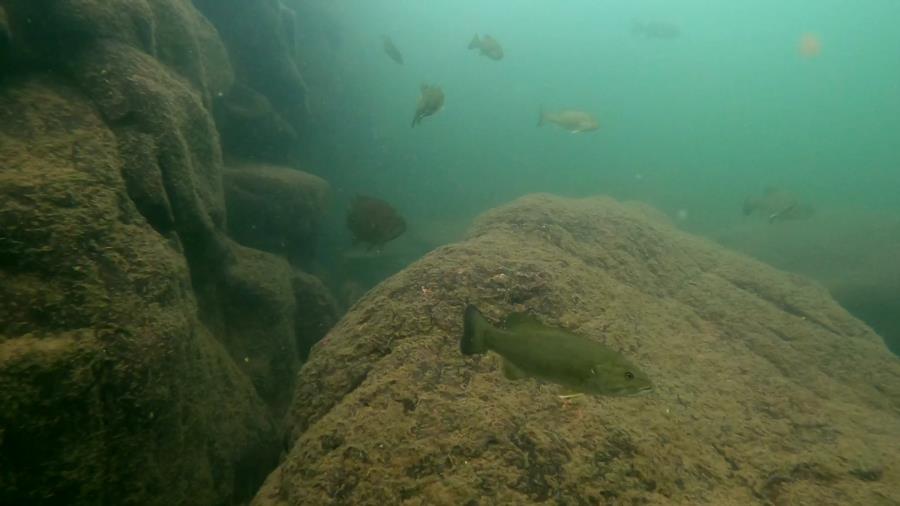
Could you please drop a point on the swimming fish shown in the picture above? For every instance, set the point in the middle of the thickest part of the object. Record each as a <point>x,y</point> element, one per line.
<point>430,101</point>
<point>777,205</point>
<point>571,120</point>
<point>810,46</point>
<point>531,349</point>
<point>391,50</point>
<point>374,222</point>
<point>656,29</point>
<point>487,46</point>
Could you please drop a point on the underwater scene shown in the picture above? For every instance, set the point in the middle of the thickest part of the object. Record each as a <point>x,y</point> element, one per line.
<point>435,252</point>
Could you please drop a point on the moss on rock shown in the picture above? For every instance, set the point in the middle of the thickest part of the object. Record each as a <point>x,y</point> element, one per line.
<point>767,391</point>
<point>261,41</point>
<point>275,209</point>
<point>111,390</point>
<point>124,308</point>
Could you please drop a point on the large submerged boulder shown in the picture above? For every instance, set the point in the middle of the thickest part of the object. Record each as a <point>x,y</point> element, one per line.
<point>767,391</point>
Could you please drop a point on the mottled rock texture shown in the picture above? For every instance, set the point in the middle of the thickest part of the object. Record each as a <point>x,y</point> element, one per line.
<point>852,253</point>
<point>767,391</point>
<point>275,209</point>
<point>145,358</point>
<point>111,389</point>
<point>272,95</point>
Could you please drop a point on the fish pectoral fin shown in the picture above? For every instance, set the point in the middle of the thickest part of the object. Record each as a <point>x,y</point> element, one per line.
<point>512,372</point>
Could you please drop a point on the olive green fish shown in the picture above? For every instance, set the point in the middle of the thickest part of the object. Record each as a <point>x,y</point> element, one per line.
<point>531,349</point>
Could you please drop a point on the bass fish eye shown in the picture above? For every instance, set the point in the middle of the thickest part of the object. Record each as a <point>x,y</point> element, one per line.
<point>629,375</point>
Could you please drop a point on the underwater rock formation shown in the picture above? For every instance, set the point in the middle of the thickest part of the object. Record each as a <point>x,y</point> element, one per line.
<point>852,253</point>
<point>271,315</point>
<point>275,209</point>
<point>257,312</point>
<point>317,311</point>
<point>109,384</point>
<point>261,41</point>
<point>766,390</point>
<point>134,365</point>
<point>5,38</point>
<point>251,128</point>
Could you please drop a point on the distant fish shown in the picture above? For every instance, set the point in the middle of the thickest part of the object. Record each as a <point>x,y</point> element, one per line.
<point>391,50</point>
<point>487,46</point>
<point>777,205</point>
<point>810,46</point>
<point>655,29</point>
<point>430,101</point>
<point>531,349</point>
<point>572,120</point>
<point>374,222</point>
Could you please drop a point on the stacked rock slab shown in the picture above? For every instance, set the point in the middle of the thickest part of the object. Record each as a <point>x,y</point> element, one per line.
<point>767,391</point>
<point>262,117</point>
<point>275,209</point>
<point>133,367</point>
<point>109,384</point>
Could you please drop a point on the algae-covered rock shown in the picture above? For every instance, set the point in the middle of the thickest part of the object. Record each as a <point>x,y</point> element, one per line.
<point>766,390</point>
<point>5,38</point>
<point>852,253</point>
<point>152,68</point>
<point>317,311</point>
<point>261,41</point>
<point>275,209</point>
<point>111,391</point>
<point>126,314</point>
<point>169,141</point>
<point>258,310</point>
<point>251,128</point>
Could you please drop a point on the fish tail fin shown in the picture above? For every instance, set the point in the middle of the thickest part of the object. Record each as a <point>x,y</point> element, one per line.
<point>474,327</point>
<point>541,116</point>
<point>475,42</point>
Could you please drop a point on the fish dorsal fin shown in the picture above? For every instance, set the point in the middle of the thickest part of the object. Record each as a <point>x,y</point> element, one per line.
<point>523,320</point>
<point>512,372</point>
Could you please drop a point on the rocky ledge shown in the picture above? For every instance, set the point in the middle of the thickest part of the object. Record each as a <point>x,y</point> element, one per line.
<point>767,391</point>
